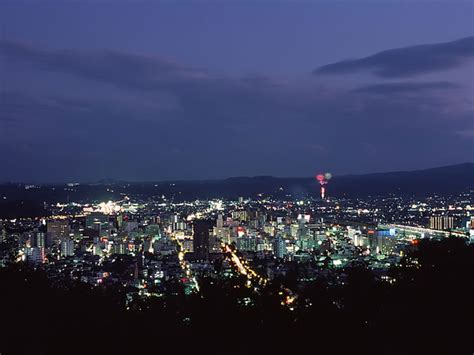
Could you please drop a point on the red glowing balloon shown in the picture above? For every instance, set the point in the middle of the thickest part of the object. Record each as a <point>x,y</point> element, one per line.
<point>320,177</point>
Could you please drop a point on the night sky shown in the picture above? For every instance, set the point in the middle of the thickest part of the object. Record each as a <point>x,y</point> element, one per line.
<point>192,90</point>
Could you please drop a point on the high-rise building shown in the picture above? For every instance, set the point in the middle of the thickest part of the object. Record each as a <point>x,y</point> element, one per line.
<point>3,234</point>
<point>35,255</point>
<point>240,215</point>
<point>441,222</point>
<point>201,239</point>
<point>57,230</point>
<point>175,222</point>
<point>118,221</point>
<point>67,247</point>
<point>40,240</point>
<point>130,226</point>
<point>247,243</point>
<point>220,221</point>
<point>119,247</point>
<point>37,240</point>
<point>214,245</point>
<point>471,231</point>
<point>221,233</point>
<point>279,247</point>
<point>187,245</point>
<point>98,221</point>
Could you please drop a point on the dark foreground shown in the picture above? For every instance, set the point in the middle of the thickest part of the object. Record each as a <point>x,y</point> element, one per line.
<point>428,310</point>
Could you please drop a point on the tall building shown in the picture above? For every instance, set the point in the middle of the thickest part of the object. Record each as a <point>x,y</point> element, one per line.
<point>279,247</point>
<point>98,221</point>
<point>119,247</point>
<point>57,230</point>
<point>40,240</point>
<point>3,234</point>
<point>240,215</point>
<point>382,242</point>
<point>441,222</point>
<point>35,255</point>
<point>37,240</point>
<point>201,239</point>
<point>176,223</point>
<point>67,247</point>
<point>471,231</point>
<point>220,232</point>
<point>118,221</point>
<point>214,245</point>
<point>187,245</point>
<point>247,243</point>
<point>220,221</point>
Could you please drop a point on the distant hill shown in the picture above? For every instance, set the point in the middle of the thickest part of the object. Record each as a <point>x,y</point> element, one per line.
<point>442,181</point>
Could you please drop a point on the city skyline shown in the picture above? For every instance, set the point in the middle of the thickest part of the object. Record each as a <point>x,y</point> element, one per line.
<point>186,91</point>
<point>235,177</point>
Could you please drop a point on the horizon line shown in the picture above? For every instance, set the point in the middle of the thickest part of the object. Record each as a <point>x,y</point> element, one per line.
<point>114,180</point>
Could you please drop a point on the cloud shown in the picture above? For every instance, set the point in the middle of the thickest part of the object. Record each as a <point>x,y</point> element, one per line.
<point>195,91</point>
<point>132,71</point>
<point>113,111</point>
<point>467,133</point>
<point>113,67</point>
<point>408,61</point>
<point>407,87</point>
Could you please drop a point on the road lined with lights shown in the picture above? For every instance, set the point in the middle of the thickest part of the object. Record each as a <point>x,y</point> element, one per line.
<point>185,266</point>
<point>288,297</point>
<point>243,267</point>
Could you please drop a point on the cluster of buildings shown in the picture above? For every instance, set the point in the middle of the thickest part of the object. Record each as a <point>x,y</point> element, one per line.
<point>152,247</point>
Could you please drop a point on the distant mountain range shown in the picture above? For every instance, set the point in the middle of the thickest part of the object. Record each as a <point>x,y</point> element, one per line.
<point>442,181</point>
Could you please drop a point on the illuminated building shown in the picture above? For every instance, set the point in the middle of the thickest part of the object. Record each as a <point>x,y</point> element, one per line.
<point>37,240</point>
<point>97,221</point>
<point>279,247</point>
<point>57,229</point>
<point>214,244</point>
<point>246,243</point>
<point>153,230</point>
<point>220,221</point>
<point>441,222</point>
<point>35,255</point>
<point>177,224</point>
<point>383,242</point>
<point>240,215</point>
<point>119,248</point>
<point>3,234</point>
<point>187,245</point>
<point>119,221</point>
<point>67,247</point>
<point>471,231</point>
<point>130,226</point>
<point>220,232</point>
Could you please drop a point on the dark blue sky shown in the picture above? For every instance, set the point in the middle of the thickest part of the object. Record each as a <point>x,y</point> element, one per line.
<point>162,90</point>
